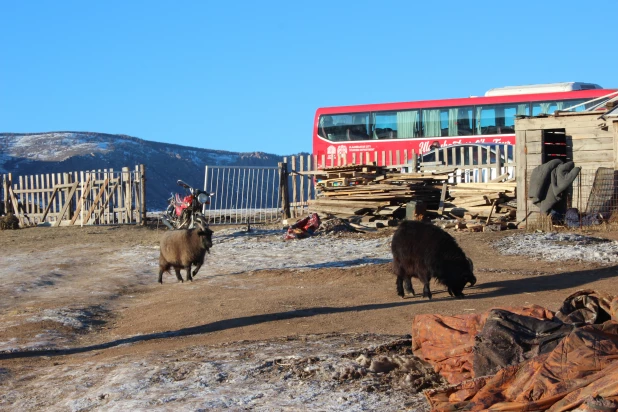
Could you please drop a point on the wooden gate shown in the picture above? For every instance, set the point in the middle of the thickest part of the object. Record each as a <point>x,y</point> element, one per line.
<point>89,197</point>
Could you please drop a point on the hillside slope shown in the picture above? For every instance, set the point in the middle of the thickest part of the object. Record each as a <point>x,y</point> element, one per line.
<point>57,152</point>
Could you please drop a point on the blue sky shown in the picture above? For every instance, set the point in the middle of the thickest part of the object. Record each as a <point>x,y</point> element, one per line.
<point>248,76</point>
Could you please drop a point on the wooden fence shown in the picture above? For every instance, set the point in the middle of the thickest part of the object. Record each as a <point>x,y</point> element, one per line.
<point>474,163</point>
<point>94,197</point>
<point>300,185</point>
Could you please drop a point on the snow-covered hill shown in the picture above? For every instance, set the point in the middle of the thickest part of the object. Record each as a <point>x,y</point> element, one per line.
<point>56,152</point>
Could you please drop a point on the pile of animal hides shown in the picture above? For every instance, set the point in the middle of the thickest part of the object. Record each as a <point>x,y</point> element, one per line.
<point>313,225</point>
<point>525,359</point>
<point>303,228</point>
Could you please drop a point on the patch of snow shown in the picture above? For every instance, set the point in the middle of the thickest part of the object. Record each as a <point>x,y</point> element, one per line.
<point>261,376</point>
<point>235,250</point>
<point>53,146</point>
<point>559,247</point>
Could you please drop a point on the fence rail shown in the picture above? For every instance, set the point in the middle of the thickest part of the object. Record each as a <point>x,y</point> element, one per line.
<point>85,197</point>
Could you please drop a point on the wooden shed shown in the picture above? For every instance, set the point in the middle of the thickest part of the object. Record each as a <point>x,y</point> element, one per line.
<point>589,139</point>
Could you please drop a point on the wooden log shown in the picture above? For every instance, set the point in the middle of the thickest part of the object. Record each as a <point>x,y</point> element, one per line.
<point>362,228</point>
<point>338,209</point>
<point>472,201</point>
<point>349,203</point>
<point>388,210</point>
<point>499,178</point>
<point>442,198</point>
<point>488,186</point>
<point>474,227</point>
<point>493,206</point>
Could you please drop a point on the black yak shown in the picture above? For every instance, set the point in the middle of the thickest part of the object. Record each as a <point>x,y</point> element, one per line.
<point>426,252</point>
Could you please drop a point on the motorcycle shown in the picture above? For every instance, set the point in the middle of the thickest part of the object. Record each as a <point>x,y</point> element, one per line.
<point>184,212</point>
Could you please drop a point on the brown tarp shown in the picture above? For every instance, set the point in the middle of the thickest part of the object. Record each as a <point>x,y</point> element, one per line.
<point>576,371</point>
<point>508,338</point>
<point>447,341</point>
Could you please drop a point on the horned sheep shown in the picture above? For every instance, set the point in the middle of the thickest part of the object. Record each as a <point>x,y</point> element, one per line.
<point>426,252</point>
<point>180,249</point>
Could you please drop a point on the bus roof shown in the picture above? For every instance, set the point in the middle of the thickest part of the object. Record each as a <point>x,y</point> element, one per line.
<point>542,88</point>
<point>467,101</point>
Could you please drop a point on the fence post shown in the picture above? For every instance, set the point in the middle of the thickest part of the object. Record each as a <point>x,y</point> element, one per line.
<point>68,178</point>
<point>5,194</point>
<point>126,198</point>
<point>294,210</point>
<point>498,162</point>
<point>14,202</point>
<point>414,162</point>
<point>302,178</point>
<point>283,189</point>
<point>142,194</point>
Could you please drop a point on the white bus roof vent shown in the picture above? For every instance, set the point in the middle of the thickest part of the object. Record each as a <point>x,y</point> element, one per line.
<point>541,88</point>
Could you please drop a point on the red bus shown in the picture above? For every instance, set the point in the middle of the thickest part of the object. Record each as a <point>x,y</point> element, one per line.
<point>421,126</point>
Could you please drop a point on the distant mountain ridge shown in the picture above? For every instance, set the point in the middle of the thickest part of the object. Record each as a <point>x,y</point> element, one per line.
<point>57,152</point>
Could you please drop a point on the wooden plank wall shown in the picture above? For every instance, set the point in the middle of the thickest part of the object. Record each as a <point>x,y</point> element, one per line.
<point>91,197</point>
<point>590,145</point>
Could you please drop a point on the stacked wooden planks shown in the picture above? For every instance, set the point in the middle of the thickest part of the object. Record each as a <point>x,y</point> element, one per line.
<point>481,199</point>
<point>373,191</point>
<point>476,207</point>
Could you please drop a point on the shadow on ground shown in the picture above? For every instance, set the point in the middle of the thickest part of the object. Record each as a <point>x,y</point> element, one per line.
<point>557,281</point>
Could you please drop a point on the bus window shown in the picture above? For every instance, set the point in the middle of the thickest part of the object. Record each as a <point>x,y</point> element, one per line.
<point>547,107</point>
<point>551,107</point>
<point>408,124</point>
<point>432,123</point>
<point>571,103</point>
<point>454,121</point>
<point>344,127</point>
<point>359,129</point>
<point>499,118</point>
<point>404,124</point>
<point>461,121</point>
<point>384,125</point>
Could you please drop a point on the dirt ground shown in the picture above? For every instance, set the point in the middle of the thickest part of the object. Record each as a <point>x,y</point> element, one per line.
<point>123,313</point>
